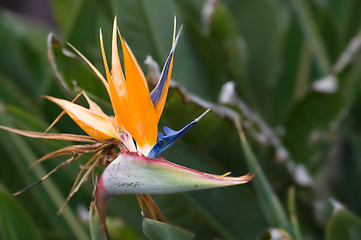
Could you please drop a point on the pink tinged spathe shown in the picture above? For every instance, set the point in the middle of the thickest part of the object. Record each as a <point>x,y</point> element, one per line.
<point>131,173</point>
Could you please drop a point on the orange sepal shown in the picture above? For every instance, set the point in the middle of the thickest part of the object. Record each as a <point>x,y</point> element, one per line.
<point>95,123</point>
<point>143,113</point>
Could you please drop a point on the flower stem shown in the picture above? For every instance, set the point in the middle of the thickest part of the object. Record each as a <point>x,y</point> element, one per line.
<point>272,208</point>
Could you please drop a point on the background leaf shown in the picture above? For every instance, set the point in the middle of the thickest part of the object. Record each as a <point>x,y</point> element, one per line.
<point>158,230</point>
<point>15,223</point>
<point>275,52</point>
<point>343,225</point>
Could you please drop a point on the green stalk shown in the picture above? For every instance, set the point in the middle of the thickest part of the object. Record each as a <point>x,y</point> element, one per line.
<point>293,215</point>
<point>272,208</point>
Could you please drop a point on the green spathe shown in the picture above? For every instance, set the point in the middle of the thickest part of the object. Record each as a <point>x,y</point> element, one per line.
<point>131,173</point>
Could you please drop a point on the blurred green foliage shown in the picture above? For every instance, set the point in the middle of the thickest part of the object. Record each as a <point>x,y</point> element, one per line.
<point>296,69</point>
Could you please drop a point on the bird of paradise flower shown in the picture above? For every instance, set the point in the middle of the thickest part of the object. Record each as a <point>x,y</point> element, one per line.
<point>128,144</point>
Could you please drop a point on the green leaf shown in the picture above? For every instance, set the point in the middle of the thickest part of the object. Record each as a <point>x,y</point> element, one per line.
<point>26,65</point>
<point>312,36</point>
<point>343,225</point>
<point>155,230</point>
<point>308,122</point>
<point>48,194</point>
<point>256,21</point>
<point>294,79</point>
<point>14,220</point>
<point>72,74</point>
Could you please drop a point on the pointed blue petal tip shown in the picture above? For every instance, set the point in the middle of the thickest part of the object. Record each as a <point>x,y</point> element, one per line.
<point>170,137</point>
<point>157,91</point>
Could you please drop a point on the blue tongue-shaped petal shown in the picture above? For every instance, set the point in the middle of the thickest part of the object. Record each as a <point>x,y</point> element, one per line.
<point>170,137</point>
<point>160,135</point>
<point>169,133</point>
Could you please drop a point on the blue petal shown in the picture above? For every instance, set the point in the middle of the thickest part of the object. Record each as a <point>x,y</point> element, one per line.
<point>157,91</point>
<point>170,137</point>
<point>166,141</point>
<point>156,150</point>
<point>168,131</point>
<point>160,135</point>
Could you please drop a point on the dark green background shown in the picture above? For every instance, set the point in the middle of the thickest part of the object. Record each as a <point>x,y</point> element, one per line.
<point>274,51</point>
